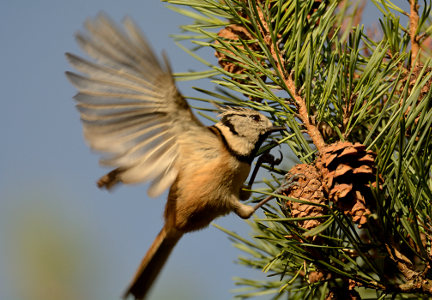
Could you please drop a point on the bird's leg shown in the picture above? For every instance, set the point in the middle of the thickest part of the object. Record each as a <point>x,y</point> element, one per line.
<point>288,183</point>
<point>245,211</point>
<point>266,157</point>
<point>242,210</point>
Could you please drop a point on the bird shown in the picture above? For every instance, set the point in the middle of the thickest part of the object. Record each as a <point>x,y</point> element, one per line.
<point>134,115</point>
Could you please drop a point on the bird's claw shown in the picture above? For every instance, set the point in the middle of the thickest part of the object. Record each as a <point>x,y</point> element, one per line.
<point>269,158</point>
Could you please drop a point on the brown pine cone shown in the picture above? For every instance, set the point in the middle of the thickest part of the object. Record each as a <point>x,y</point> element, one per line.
<point>412,79</point>
<point>347,170</point>
<point>306,185</point>
<point>233,34</point>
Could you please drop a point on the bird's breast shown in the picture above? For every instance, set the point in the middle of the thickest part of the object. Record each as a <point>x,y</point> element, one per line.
<point>206,188</point>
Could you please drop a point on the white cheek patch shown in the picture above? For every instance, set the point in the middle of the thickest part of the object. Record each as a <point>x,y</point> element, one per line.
<point>238,144</point>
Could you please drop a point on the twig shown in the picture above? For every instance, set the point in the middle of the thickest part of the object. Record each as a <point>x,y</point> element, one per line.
<point>414,19</point>
<point>418,285</point>
<point>303,114</point>
<point>402,262</point>
<point>416,281</point>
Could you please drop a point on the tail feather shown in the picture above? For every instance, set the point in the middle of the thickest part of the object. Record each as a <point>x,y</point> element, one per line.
<point>152,263</point>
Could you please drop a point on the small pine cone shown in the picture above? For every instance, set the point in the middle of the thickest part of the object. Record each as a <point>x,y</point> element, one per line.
<point>316,276</point>
<point>306,185</point>
<point>347,170</point>
<point>412,79</point>
<point>233,33</point>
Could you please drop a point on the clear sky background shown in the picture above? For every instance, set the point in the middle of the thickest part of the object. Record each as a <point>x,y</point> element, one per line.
<point>60,236</point>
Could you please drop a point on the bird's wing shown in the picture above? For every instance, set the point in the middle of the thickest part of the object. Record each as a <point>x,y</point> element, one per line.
<point>130,107</point>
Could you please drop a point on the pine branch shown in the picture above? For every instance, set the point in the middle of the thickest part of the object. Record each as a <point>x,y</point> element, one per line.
<point>413,30</point>
<point>303,114</point>
<point>348,221</point>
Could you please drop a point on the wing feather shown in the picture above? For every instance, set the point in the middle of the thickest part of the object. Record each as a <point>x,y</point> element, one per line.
<point>130,108</point>
<point>108,74</point>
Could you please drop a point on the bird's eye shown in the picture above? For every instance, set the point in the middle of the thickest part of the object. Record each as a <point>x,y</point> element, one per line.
<point>256,118</point>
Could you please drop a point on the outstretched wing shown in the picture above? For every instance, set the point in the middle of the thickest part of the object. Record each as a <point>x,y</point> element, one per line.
<point>130,107</point>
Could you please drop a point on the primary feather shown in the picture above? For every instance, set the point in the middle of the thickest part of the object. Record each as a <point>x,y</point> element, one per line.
<point>130,107</point>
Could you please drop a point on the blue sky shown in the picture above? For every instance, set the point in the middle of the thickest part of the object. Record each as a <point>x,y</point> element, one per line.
<point>60,236</point>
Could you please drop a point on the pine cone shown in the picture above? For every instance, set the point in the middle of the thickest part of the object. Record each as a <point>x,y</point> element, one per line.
<point>316,276</point>
<point>347,170</point>
<point>411,82</point>
<point>306,185</point>
<point>234,33</point>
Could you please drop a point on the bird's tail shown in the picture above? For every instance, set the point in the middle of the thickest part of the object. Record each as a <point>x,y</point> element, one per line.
<point>153,262</point>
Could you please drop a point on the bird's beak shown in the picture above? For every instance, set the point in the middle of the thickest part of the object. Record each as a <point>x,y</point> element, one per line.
<point>276,128</point>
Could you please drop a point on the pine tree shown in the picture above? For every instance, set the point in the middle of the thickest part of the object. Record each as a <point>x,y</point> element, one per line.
<point>351,216</point>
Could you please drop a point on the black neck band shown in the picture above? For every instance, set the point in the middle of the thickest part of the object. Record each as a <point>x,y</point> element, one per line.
<point>243,158</point>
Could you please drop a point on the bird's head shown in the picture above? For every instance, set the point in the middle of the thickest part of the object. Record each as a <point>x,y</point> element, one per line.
<point>244,130</point>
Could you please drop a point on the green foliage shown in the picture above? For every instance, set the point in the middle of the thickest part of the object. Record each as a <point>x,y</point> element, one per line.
<point>301,54</point>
